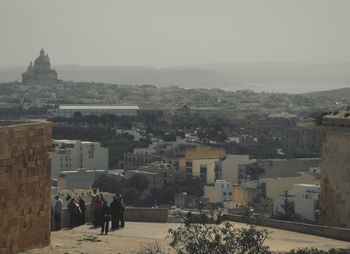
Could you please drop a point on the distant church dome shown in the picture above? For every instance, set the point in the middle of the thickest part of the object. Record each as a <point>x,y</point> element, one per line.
<point>42,60</point>
<point>40,72</point>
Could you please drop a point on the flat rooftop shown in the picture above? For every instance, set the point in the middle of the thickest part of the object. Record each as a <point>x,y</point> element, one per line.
<point>6,123</point>
<point>136,234</point>
<point>91,106</point>
<point>72,141</point>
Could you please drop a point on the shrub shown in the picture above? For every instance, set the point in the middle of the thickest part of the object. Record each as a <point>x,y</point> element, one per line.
<point>193,238</point>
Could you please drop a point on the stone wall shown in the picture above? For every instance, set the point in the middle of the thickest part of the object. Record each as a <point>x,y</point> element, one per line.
<point>159,215</point>
<point>335,177</point>
<point>134,214</point>
<point>310,229</point>
<point>24,186</point>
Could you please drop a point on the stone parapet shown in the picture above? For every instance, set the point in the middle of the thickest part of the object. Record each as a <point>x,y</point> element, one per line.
<point>134,214</point>
<point>310,229</point>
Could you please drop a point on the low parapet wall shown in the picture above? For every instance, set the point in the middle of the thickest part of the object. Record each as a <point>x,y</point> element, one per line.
<point>146,214</point>
<point>136,214</point>
<point>324,231</point>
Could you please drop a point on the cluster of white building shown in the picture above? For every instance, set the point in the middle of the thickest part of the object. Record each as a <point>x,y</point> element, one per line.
<point>299,178</point>
<point>71,155</point>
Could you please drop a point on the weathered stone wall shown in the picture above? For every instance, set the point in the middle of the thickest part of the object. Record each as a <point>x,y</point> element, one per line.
<point>24,186</point>
<point>335,177</point>
<point>310,229</point>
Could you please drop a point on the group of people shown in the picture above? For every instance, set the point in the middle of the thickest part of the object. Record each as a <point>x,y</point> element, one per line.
<point>104,213</point>
<point>76,211</point>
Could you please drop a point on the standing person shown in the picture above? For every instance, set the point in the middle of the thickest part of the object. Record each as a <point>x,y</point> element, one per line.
<point>68,197</point>
<point>105,218</point>
<point>92,205</point>
<point>78,212</point>
<point>121,211</point>
<point>97,211</point>
<point>57,213</point>
<point>82,209</point>
<point>72,211</point>
<point>102,198</point>
<point>114,212</point>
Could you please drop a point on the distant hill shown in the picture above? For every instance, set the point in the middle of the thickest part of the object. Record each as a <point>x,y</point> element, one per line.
<point>336,94</point>
<point>286,77</point>
<point>271,77</point>
<point>186,77</point>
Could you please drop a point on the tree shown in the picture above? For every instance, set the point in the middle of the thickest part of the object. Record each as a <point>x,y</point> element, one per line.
<point>77,115</point>
<point>139,182</point>
<point>110,183</point>
<point>169,137</point>
<point>254,171</point>
<point>132,196</point>
<point>288,212</point>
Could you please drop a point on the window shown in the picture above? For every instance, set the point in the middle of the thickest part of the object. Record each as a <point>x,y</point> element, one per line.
<point>203,173</point>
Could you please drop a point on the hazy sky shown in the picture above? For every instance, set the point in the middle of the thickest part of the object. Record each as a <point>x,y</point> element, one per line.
<point>177,32</point>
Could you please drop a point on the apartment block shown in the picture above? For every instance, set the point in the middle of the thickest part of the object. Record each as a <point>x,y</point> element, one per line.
<point>70,155</point>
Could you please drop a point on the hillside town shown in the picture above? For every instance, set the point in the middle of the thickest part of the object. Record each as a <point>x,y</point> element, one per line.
<point>250,155</point>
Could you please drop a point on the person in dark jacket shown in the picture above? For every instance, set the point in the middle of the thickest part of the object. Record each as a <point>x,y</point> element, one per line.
<point>114,212</point>
<point>121,209</point>
<point>105,218</point>
<point>73,213</point>
<point>82,207</point>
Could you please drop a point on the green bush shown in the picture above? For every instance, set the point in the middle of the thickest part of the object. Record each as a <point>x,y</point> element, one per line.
<point>194,238</point>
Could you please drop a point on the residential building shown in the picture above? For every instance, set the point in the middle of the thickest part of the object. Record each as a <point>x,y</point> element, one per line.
<point>169,152</point>
<point>91,109</point>
<point>184,200</point>
<point>305,199</point>
<point>70,155</point>
<point>219,192</point>
<point>303,139</point>
<point>230,165</point>
<point>287,167</point>
<point>202,163</point>
<point>133,132</point>
<point>140,157</point>
<point>166,172</point>
<point>274,187</point>
<point>243,195</point>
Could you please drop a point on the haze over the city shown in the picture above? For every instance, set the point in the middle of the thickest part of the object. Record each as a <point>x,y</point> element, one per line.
<point>275,45</point>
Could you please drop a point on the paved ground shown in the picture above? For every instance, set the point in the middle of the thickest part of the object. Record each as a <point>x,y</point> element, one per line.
<point>84,240</point>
